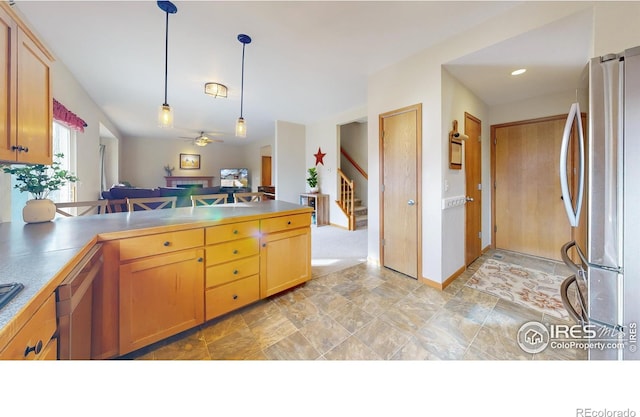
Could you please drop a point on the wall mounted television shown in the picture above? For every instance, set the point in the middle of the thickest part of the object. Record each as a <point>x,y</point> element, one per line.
<point>234,177</point>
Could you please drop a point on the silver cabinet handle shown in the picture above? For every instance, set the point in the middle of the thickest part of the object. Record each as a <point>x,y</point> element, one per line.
<point>411,203</point>
<point>467,198</point>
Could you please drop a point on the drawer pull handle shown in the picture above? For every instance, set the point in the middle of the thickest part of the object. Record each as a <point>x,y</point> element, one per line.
<point>36,349</point>
<point>235,272</point>
<point>200,259</point>
<point>235,297</point>
<point>235,232</point>
<point>289,222</point>
<point>264,245</point>
<point>235,251</point>
<point>167,243</point>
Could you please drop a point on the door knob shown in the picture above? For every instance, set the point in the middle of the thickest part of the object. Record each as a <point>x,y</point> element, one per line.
<point>411,203</point>
<point>467,198</point>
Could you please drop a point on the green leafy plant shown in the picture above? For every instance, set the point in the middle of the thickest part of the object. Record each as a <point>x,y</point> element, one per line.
<point>39,179</point>
<point>312,179</point>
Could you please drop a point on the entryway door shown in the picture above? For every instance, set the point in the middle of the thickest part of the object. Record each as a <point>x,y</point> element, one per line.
<point>473,178</point>
<point>529,212</point>
<point>400,166</point>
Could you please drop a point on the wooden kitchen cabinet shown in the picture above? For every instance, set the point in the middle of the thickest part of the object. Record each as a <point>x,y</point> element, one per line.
<point>233,267</point>
<point>161,287</point>
<point>26,102</point>
<point>285,253</point>
<point>35,340</point>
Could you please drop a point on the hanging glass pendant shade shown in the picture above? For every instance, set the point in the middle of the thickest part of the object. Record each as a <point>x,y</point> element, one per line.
<point>241,128</point>
<point>165,113</point>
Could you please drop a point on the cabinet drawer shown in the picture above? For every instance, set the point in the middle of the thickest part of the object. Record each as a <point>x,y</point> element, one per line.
<point>236,249</point>
<point>139,247</point>
<point>32,340</point>
<point>277,224</point>
<point>224,233</point>
<point>229,297</point>
<point>231,271</point>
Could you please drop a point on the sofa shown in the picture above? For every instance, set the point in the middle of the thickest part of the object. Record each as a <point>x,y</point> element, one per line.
<point>117,195</point>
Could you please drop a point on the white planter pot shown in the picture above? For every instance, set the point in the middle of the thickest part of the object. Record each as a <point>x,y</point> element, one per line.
<point>39,211</point>
<point>314,189</point>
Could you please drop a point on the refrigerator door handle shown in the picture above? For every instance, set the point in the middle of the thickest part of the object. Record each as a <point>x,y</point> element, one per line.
<point>574,215</point>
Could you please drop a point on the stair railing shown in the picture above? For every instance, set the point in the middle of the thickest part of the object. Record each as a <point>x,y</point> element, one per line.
<point>346,200</point>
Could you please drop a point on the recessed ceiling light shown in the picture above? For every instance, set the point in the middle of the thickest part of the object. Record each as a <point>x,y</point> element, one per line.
<point>519,71</point>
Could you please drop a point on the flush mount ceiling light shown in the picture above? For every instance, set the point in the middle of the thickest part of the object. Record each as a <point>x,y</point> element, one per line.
<point>519,71</point>
<point>165,114</point>
<point>241,129</point>
<point>215,90</point>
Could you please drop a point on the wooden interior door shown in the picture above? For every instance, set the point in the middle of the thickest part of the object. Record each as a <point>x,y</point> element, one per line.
<point>473,177</point>
<point>400,139</point>
<point>266,171</point>
<point>529,213</point>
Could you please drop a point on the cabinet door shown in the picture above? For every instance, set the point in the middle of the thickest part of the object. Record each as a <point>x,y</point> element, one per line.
<point>35,105</point>
<point>159,297</point>
<point>7,86</point>
<point>285,260</point>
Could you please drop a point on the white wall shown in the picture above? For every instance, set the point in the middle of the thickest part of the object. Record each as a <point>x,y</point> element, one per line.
<point>456,100</point>
<point>143,160</point>
<point>324,135</point>
<point>290,171</point>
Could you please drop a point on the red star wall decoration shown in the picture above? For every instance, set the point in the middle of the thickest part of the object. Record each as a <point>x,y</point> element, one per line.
<point>319,156</point>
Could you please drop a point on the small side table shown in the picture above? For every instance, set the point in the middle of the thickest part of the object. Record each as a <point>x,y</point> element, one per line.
<point>320,204</point>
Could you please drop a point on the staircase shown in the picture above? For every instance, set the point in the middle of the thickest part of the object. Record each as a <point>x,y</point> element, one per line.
<point>360,214</point>
<point>352,207</point>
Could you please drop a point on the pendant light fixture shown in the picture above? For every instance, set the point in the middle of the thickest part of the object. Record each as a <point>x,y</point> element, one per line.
<point>165,114</point>
<point>241,129</point>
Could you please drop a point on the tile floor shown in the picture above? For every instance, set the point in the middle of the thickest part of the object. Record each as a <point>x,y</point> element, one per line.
<point>369,313</point>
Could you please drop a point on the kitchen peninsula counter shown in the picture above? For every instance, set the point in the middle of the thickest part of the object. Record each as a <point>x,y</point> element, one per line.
<point>41,255</point>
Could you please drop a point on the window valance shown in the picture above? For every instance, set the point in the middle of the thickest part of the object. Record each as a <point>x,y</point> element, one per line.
<point>66,117</point>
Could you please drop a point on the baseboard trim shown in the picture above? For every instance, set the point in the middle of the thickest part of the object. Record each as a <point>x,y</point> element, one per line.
<point>446,283</point>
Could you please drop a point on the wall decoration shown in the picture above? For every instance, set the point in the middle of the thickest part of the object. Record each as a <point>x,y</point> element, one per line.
<point>319,157</point>
<point>189,161</point>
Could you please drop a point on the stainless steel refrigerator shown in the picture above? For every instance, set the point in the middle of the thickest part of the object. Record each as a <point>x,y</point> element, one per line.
<point>604,294</point>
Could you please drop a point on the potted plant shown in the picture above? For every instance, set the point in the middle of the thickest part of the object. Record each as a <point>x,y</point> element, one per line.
<point>312,179</point>
<point>39,180</point>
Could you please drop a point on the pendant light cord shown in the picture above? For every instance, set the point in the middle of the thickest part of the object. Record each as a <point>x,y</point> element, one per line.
<point>242,82</point>
<point>166,57</point>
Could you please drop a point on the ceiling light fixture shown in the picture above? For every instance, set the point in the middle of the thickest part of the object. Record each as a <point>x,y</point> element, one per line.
<point>215,90</point>
<point>241,129</point>
<point>165,114</point>
<point>519,71</point>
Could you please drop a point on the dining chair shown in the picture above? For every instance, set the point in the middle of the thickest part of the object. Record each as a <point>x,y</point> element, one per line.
<point>208,199</point>
<point>247,197</point>
<point>151,203</point>
<point>88,207</point>
<point>118,205</point>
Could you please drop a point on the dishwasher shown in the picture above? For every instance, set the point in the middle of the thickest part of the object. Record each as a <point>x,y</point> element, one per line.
<point>74,307</point>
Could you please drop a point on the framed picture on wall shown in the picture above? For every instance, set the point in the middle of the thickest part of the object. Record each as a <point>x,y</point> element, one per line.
<point>189,161</point>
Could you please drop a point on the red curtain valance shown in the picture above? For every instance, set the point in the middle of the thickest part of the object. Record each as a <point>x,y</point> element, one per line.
<point>70,119</point>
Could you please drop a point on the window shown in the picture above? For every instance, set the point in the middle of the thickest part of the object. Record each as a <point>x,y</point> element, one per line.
<point>64,142</point>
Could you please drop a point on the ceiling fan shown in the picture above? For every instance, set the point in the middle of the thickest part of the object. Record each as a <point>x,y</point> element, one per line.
<point>203,139</point>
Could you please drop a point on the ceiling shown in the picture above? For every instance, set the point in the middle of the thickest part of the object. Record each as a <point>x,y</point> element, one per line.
<point>307,60</point>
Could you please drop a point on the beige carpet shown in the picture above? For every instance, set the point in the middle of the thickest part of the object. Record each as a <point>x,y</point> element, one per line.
<point>527,287</point>
<point>334,249</point>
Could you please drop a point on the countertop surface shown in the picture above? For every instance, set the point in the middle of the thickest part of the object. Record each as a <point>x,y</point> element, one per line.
<point>33,254</point>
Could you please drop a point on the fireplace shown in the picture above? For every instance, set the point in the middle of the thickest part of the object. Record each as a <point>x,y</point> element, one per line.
<point>189,181</point>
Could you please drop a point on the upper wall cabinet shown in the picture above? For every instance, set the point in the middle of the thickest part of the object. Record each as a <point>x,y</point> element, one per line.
<point>26,104</point>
